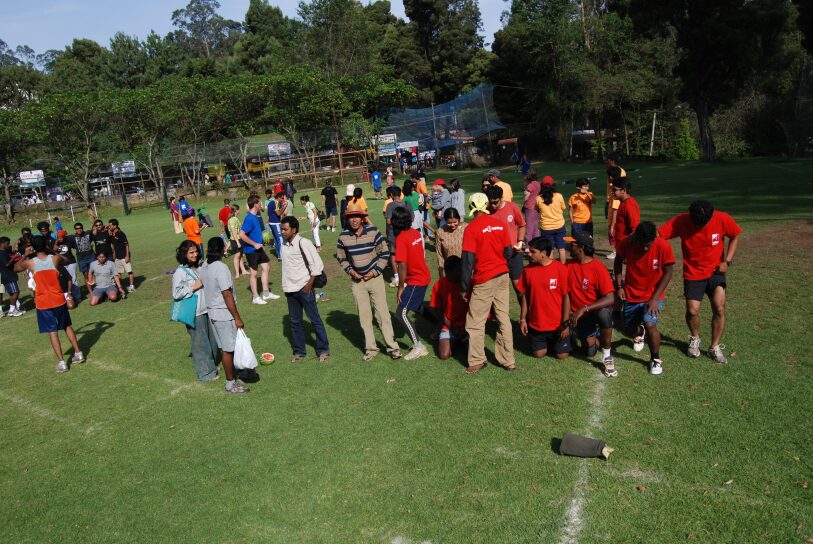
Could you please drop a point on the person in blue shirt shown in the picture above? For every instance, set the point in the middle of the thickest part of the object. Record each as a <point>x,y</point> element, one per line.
<point>375,178</point>
<point>251,234</point>
<point>276,209</point>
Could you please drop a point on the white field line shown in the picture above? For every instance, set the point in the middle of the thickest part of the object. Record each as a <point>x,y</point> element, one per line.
<point>45,413</point>
<point>574,522</point>
<point>178,386</point>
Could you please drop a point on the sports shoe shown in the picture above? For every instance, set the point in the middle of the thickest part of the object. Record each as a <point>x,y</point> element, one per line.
<point>258,300</point>
<point>62,366</point>
<point>78,358</point>
<point>369,355</point>
<point>14,312</point>
<point>418,351</point>
<point>130,289</point>
<point>235,388</point>
<point>656,367</point>
<point>270,296</point>
<point>395,355</point>
<point>609,367</point>
<point>694,346</point>
<point>394,282</point>
<point>716,353</point>
<point>638,341</point>
<point>611,255</point>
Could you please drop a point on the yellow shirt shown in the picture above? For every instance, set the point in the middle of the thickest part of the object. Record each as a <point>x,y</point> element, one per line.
<point>610,185</point>
<point>551,217</point>
<point>421,188</point>
<point>507,192</point>
<point>361,202</point>
<point>582,205</point>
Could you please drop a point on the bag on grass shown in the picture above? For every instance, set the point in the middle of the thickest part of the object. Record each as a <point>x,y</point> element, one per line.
<point>248,375</point>
<point>244,357</point>
<point>184,310</point>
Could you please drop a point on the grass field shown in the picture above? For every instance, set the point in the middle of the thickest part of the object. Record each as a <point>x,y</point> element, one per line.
<point>130,448</point>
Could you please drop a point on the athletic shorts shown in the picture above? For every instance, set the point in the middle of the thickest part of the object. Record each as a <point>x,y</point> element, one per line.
<point>695,289</point>
<point>234,248</point>
<point>556,237</point>
<point>636,313</point>
<point>256,258</point>
<point>84,264</point>
<point>11,287</point>
<point>330,211</point>
<point>412,297</point>
<point>516,264</point>
<point>2,288</point>
<point>53,319</point>
<point>104,291</point>
<point>225,333</point>
<point>591,322</point>
<point>581,227</point>
<point>123,267</point>
<point>549,340</point>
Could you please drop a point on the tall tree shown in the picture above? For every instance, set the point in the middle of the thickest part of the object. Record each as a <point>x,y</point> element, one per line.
<point>126,65</point>
<point>80,68</point>
<point>206,33</point>
<point>268,42</point>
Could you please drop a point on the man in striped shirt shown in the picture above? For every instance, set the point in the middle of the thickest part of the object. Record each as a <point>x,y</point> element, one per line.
<point>363,253</point>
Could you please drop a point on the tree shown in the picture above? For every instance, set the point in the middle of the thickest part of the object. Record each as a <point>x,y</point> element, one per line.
<point>126,65</point>
<point>268,42</point>
<point>204,32</point>
<point>80,68</point>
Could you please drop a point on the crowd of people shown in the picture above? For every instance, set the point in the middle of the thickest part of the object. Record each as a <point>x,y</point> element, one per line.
<point>486,247</point>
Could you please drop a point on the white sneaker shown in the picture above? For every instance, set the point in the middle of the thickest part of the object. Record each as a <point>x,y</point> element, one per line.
<point>258,300</point>
<point>14,312</point>
<point>609,367</point>
<point>611,255</point>
<point>270,296</point>
<point>236,388</point>
<point>656,367</point>
<point>394,282</point>
<point>638,341</point>
<point>130,289</point>
<point>78,358</point>
<point>716,353</point>
<point>62,366</point>
<point>418,351</point>
<point>694,346</point>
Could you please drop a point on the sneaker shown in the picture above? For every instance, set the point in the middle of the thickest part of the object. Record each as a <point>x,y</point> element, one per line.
<point>609,367</point>
<point>611,255</point>
<point>130,289</point>
<point>716,353</point>
<point>62,366</point>
<point>638,341</point>
<point>418,351</point>
<point>656,367</point>
<point>694,346</point>
<point>78,358</point>
<point>258,300</point>
<point>235,388</point>
<point>395,355</point>
<point>394,282</point>
<point>270,296</point>
<point>369,356</point>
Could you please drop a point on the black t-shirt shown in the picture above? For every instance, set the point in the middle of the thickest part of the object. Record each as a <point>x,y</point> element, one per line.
<point>330,197</point>
<point>119,243</point>
<point>101,241</point>
<point>7,273</point>
<point>64,250</point>
<point>82,244</point>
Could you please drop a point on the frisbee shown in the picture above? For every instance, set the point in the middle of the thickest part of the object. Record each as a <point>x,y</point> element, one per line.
<point>267,359</point>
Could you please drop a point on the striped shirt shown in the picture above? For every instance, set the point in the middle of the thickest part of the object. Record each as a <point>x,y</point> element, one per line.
<point>363,253</point>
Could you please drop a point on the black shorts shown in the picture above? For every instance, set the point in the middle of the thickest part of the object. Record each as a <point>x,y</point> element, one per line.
<point>234,248</point>
<point>516,265</point>
<point>256,258</point>
<point>695,289</point>
<point>591,322</point>
<point>548,340</point>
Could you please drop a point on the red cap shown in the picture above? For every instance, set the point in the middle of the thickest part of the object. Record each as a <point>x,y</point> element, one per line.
<point>547,180</point>
<point>61,233</point>
<point>439,181</point>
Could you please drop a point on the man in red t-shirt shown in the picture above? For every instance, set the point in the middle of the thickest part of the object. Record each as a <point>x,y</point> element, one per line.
<point>591,300</point>
<point>545,306</point>
<point>413,277</point>
<point>486,248</point>
<point>628,214</point>
<point>451,307</point>
<point>223,215</point>
<point>510,214</point>
<point>701,233</point>
<point>649,261</point>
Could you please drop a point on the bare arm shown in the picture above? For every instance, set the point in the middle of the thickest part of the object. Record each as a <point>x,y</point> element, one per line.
<point>733,244</point>
<point>228,298</point>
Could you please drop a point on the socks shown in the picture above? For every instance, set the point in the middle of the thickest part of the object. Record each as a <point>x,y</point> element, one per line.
<point>656,355</point>
<point>606,352</point>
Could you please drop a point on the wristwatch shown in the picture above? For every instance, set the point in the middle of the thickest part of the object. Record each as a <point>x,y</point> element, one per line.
<point>728,263</point>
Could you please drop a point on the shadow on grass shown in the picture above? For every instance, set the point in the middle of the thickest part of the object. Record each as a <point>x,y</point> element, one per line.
<point>89,334</point>
<point>138,280</point>
<point>555,444</point>
<point>348,325</point>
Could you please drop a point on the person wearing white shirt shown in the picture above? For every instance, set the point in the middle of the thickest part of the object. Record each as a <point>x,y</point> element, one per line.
<point>313,219</point>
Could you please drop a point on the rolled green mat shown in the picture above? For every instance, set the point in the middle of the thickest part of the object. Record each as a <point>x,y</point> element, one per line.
<point>583,446</point>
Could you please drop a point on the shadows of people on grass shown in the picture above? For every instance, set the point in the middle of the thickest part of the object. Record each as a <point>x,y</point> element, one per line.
<point>555,444</point>
<point>138,281</point>
<point>89,334</point>
<point>348,325</point>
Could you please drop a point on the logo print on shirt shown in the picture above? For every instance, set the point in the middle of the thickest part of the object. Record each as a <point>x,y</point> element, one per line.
<point>491,228</point>
<point>655,264</point>
<point>553,283</point>
<point>715,239</point>
<point>416,241</point>
<point>510,218</point>
<point>585,284</point>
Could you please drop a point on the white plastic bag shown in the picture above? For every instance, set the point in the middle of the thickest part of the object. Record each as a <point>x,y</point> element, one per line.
<point>244,357</point>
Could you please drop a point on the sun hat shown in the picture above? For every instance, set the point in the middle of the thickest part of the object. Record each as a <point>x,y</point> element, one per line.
<point>355,209</point>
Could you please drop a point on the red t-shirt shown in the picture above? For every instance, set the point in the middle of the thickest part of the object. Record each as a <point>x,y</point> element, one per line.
<point>702,248</point>
<point>644,268</point>
<point>546,288</point>
<point>626,219</point>
<point>511,215</point>
<point>224,214</point>
<point>409,250</point>
<point>487,238</point>
<point>446,297</point>
<point>587,283</point>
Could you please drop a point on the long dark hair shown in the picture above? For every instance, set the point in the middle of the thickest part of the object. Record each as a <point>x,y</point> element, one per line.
<point>183,249</point>
<point>547,194</point>
<point>401,220</point>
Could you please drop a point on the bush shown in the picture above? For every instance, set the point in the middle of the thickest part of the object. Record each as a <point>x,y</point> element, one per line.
<point>685,145</point>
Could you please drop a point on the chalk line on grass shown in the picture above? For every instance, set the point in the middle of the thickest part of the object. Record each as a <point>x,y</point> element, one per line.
<point>45,413</point>
<point>574,520</point>
<point>178,386</point>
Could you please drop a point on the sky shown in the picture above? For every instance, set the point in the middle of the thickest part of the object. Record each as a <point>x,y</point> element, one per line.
<point>53,24</point>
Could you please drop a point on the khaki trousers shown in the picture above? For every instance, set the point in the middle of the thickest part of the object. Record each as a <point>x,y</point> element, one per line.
<point>493,292</point>
<point>371,296</point>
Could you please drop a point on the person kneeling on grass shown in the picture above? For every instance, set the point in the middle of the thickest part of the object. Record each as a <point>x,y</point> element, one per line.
<point>649,261</point>
<point>451,308</point>
<point>104,280</point>
<point>52,310</point>
<point>221,306</point>
<point>545,306</point>
<point>591,300</point>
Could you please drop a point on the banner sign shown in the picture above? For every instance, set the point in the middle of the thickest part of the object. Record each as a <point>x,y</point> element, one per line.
<point>408,145</point>
<point>32,178</point>
<point>279,149</point>
<point>384,140</point>
<point>124,169</point>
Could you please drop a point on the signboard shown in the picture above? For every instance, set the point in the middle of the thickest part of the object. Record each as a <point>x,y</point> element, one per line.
<point>124,169</point>
<point>408,145</point>
<point>32,178</point>
<point>384,140</point>
<point>279,149</point>
<point>386,150</point>
<point>429,153</point>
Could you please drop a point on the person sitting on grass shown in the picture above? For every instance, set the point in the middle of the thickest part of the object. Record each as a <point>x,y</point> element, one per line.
<point>221,306</point>
<point>52,310</point>
<point>545,305</point>
<point>104,280</point>
<point>591,300</point>
<point>451,308</point>
<point>649,261</point>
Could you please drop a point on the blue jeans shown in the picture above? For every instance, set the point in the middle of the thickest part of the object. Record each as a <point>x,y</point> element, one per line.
<point>296,303</point>
<point>277,239</point>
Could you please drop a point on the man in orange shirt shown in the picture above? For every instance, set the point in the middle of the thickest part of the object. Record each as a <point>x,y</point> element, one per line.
<point>193,229</point>
<point>494,178</point>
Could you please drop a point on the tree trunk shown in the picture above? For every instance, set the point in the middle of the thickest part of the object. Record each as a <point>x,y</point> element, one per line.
<point>707,149</point>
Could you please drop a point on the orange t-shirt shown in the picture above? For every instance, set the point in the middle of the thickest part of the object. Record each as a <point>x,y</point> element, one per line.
<point>48,293</point>
<point>190,226</point>
<point>582,204</point>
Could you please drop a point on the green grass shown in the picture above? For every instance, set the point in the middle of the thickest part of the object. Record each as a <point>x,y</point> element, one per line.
<point>130,448</point>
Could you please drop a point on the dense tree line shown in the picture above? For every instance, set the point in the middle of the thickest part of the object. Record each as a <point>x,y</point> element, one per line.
<point>740,70</point>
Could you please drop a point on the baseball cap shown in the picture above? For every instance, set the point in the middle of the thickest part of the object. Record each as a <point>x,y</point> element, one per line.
<point>478,202</point>
<point>439,181</point>
<point>582,238</point>
<point>350,189</point>
<point>493,172</point>
<point>355,209</point>
<point>547,180</point>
